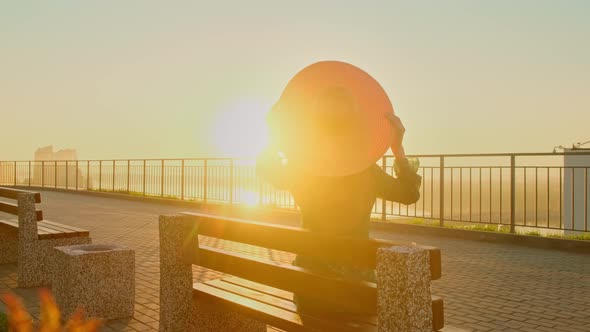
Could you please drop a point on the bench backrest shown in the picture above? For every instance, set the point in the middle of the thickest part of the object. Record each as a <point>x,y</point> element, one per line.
<point>325,289</point>
<point>12,208</point>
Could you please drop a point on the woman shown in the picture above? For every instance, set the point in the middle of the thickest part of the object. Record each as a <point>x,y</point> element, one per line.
<point>327,134</point>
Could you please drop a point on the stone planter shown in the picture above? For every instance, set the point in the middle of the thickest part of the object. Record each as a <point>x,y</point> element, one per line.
<point>97,277</point>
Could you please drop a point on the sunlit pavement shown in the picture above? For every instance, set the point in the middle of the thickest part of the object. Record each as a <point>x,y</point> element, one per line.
<point>486,286</point>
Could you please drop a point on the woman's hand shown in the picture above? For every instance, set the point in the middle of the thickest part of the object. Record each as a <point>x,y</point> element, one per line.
<point>398,131</point>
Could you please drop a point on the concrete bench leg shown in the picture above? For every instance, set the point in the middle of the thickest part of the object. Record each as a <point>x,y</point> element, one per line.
<point>28,241</point>
<point>8,246</point>
<point>404,301</point>
<point>36,257</point>
<point>212,319</point>
<point>178,310</point>
<point>37,265</point>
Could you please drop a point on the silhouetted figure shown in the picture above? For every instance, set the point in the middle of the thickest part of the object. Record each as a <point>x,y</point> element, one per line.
<point>326,136</point>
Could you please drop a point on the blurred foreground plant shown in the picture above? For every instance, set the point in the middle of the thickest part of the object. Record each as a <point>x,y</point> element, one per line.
<point>19,319</point>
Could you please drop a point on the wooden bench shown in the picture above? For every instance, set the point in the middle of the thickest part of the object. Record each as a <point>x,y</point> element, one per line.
<point>254,291</point>
<point>29,239</point>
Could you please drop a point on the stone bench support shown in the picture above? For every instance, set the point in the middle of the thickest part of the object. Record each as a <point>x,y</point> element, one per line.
<point>35,257</point>
<point>403,290</point>
<point>178,310</point>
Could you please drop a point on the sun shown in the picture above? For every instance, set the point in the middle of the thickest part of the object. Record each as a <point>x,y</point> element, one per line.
<point>249,198</point>
<point>239,129</point>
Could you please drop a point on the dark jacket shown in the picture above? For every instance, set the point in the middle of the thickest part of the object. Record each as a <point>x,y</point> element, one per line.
<point>340,205</point>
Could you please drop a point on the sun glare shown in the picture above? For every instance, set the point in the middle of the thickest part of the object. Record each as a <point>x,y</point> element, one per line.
<point>240,129</point>
<point>249,198</point>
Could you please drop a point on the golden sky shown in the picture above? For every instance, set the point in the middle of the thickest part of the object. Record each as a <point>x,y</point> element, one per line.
<point>147,79</point>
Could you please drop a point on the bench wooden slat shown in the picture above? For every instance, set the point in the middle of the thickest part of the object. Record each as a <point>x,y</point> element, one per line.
<point>67,227</point>
<point>272,315</point>
<point>260,287</point>
<point>356,295</point>
<point>51,233</point>
<point>9,224</point>
<point>61,228</point>
<point>13,209</point>
<point>437,302</point>
<point>44,231</point>
<point>286,304</point>
<point>13,193</point>
<point>56,230</point>
<point>43,234</point>
<point>49,230</point>
<point>344,250</point>
<point>253,294</point>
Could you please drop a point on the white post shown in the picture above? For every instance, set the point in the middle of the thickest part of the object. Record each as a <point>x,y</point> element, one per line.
<point>575,215</point>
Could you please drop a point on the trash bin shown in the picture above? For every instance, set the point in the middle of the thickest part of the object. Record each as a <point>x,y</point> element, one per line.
<point>100,278</point>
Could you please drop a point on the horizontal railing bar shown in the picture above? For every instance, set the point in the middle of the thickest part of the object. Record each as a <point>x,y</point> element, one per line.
<point>450,155</point>
<point>206,179</point>
<point>134,159</point>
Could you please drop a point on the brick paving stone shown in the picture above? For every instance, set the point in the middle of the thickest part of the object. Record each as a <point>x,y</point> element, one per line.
<point>486,286</point>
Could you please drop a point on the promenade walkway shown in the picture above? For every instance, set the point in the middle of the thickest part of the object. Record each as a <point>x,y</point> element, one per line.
<point>486,286</point>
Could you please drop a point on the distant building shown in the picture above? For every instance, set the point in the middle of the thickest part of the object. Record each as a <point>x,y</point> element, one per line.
<point>55,168</point>
<point>46,153</point>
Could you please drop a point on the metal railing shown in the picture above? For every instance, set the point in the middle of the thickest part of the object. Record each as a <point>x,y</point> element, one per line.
<point>537,190</point>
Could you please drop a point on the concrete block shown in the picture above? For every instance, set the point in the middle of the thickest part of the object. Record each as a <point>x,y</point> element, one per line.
<point>98,277</point>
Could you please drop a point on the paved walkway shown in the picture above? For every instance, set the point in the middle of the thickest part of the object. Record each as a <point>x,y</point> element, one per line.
<point>486,286</point>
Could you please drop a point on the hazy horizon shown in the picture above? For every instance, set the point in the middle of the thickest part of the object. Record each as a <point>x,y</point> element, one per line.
<point>151,80</point>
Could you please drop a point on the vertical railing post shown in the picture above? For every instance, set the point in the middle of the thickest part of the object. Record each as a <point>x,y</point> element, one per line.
<point>143,186</point>
<point>383,202</point>
<point>182,179</point>
<point>29,173</point>
<point>513,194</point>
<point>55,174</point>
<point>77,174</point>
<point>43,174</point>
<point>586,199</point>
<point>128,174</point>
<point>15,173</point>
<point>87,174</point>
<point>205,181</point>
<point>162,179</point>
<point>442,191</point>
<point>100,175</point>
<point>66,175</point>
<point>260,191</point>
<point>573,193</point>
<point>114,166</point>
<point>231,182</point>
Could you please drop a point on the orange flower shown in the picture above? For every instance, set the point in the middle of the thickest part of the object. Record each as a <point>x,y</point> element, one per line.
<point>50,315</point>
<point>78,324</point>
<point>19,319</point>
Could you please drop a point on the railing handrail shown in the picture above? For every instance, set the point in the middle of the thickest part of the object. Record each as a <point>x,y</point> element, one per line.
<point>579,152</point>
<point>222,179</point>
